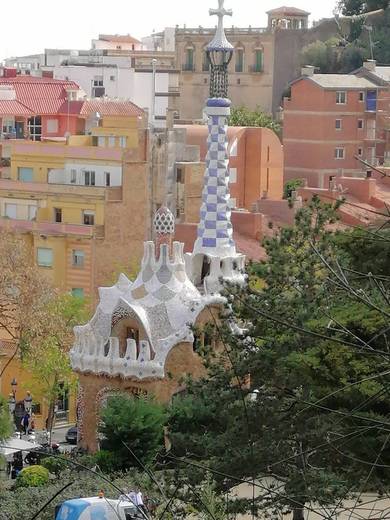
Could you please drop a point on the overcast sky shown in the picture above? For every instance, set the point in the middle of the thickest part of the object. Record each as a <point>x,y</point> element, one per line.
<point>28,27</point>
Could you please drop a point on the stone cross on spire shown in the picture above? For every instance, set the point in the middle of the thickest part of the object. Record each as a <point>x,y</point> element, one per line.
<point>220,41</point>
<point>221,12</point>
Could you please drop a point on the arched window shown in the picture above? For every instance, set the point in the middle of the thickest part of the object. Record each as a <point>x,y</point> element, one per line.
<point>189,58</point>
<point>258,64</point>
<point>239,56</point>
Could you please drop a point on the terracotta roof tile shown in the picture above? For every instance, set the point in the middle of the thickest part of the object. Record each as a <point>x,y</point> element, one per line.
<point>42,96</point>
<point>14,108</point>
<point>118,38</point>
<point>288,11</point>
<point>110,108</point>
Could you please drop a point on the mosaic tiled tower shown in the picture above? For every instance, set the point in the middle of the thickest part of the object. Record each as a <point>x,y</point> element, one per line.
<point>214,254</point>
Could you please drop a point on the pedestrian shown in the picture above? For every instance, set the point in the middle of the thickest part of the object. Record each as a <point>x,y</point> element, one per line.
<point>31,427</point>
<point>25,422</point>
<point>28,402</point>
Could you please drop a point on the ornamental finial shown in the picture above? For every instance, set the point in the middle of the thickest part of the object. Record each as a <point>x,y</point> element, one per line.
<point>220,40</point>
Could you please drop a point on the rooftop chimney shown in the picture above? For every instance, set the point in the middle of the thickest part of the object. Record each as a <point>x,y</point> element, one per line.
<point>308,70</point>
<point>370,65</point>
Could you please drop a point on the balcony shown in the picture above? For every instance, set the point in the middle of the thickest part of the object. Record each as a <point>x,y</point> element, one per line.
<point>188,67</point>
<point>51,228</point>
<point>256,69</point>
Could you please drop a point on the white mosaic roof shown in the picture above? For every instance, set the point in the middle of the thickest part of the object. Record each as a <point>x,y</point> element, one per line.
<point>162,300</point>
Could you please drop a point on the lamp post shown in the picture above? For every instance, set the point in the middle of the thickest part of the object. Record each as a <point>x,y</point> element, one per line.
<point>11,404</point>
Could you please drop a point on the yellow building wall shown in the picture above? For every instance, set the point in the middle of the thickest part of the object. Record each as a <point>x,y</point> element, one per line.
<point>40,164</point>
<point>72,209</point>
<point>26,383</point>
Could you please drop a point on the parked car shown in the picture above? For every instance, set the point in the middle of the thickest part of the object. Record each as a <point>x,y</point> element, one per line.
<point>71,435</point>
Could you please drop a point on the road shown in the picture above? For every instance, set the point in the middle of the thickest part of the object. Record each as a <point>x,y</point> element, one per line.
<point>58,437</point>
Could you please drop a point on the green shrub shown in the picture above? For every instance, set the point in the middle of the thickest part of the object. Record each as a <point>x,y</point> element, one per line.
<point>55,465</point>
<point>34,476</point>
<point>107,461</point>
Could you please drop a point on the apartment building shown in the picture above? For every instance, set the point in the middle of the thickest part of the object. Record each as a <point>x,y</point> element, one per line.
<point>117,67</point>
<point>330,122</point>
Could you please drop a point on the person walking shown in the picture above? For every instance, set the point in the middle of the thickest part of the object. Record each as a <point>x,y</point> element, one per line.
<point>25,422</point>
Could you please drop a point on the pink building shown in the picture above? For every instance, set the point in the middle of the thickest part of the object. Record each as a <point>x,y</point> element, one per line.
<point>330,122</point>
<point>38,108</point>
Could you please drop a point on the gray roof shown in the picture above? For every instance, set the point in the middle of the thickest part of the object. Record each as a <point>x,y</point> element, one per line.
<point>382,72</point>
<point>335,81</point>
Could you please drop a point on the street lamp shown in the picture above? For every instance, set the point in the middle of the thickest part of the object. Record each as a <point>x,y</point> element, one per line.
<point>11,404</point>
<point>14,384</point>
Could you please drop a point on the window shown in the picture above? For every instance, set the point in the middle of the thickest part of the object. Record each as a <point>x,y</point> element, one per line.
<point>360,152</point>
<point>341,97</point>
<point>52,126</point>
<point>189,60</point>
<point>338,124</point>
<point>89,178</point>
<point>73,176</point>
<point>8,125</point>
<point>112,78</point>
<point>88,218</point>
<point>233,175</point>
<point>101,141</point>
<point>78,258</point>
<point>78,292</point>
<point>26,174</point>
<point>361,96</point>
<point>258,66</point>
<point>180,175</point>
<point>123,142</point>
<point>57,215</point>
<point>371,101</point>
<point>206,63</point>
<point>107,179</point>
<point>34,125</point>
<point>240,60</point>
<point>360,124</point>
<point>98,81</point>
<point>111,142</point>
<point>44,257</point>
<point>339,153</point>
<point>32,212</point>
<point>10,210</point>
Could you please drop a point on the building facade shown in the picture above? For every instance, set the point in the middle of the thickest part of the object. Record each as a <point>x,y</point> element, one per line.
<point>331,123</point>
<point>117,67</point>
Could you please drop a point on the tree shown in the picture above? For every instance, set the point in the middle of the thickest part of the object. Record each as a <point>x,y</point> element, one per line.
<point>24,291</point>
<point>47,353</point>
<point>135,423</point>
<point>242,116</point>
<point>356,7</point>
<point>294,396</point>
<point>336,55</point>
<point>291,186</point>
<point>5,420</point>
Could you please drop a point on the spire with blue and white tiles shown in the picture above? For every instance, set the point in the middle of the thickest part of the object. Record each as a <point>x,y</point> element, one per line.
<point>215,232</point>
<point>215,244</point>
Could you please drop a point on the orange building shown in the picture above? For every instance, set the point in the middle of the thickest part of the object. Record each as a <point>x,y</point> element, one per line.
<point>256,163</point>
<point>329,121</point>
<point>256,186</point>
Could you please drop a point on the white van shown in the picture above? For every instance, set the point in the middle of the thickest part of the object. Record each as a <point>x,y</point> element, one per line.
<point>97,509</point>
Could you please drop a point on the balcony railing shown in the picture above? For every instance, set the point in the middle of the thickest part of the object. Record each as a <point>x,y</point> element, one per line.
<point>187,67</point>
<point>256,69</point>
<point>51,228</point>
